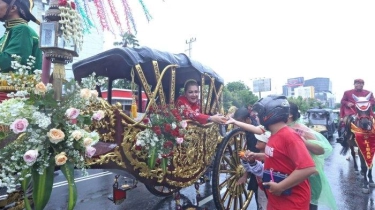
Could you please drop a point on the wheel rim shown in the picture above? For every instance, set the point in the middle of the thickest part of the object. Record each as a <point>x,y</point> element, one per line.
<point>227,170</point>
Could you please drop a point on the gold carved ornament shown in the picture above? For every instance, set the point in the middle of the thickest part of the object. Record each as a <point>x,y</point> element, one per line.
<point>105,127</point>
<point>114,156</point>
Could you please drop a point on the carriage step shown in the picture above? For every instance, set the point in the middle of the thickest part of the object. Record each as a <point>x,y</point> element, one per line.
<point>120,187</point>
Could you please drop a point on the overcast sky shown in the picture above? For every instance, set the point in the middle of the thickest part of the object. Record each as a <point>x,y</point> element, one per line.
<point>277,39</point>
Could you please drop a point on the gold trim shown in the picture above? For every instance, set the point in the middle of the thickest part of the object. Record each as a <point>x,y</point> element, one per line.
<point>114,156</point>
<point>218,96</point>
<point>145,85</point>
<point>173,86</point>
<point>212,85</point>
<point>203,102</point>
<point>157,76</point>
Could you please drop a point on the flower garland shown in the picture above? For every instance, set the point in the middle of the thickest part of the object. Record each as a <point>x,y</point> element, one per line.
<point>71,23</point>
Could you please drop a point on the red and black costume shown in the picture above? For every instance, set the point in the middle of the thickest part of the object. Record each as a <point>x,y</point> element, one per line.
<point>345,110</point>
<point>190,110</point>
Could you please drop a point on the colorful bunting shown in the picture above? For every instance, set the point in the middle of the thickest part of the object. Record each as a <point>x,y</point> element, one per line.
<point>107,12</point>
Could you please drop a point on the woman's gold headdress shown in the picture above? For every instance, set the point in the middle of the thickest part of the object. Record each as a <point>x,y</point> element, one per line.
<point>190,80</point>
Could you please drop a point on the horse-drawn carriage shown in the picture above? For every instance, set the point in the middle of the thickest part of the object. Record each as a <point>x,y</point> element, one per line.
<point>161,75</point>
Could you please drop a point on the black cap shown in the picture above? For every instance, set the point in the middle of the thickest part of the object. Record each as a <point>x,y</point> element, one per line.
<point>24,7</point>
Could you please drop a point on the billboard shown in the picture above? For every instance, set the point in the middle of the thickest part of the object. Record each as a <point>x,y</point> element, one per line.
<point>295,82</point>
<point>262,85</point>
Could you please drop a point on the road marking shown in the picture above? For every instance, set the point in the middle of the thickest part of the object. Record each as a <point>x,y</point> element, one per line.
<point>209,198</point>
<point>80,179</point>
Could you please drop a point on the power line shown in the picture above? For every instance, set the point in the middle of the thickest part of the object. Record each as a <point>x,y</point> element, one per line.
<point>190,45</point>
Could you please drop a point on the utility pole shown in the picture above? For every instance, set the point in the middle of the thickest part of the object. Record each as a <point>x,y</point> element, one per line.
<point>189,43</point>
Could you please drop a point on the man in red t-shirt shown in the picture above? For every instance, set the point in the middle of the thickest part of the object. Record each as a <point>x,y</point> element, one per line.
<point>285,153</point>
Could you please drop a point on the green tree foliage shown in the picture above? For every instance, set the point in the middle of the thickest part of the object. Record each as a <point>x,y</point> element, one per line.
<point>306,103</point>
<point>238,94</point>
<point>127,40</point>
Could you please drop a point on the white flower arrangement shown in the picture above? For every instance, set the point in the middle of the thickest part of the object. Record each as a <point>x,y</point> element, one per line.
<point>22,76</point>
<point>45,130</point>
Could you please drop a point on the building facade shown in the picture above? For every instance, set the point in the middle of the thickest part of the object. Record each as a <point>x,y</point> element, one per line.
<point>320,84</point>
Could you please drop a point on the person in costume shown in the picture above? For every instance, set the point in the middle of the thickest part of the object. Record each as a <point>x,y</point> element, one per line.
<point>19,38</point>
<point>189,105</point>
<point>319,149</point>
<point>348,103</point>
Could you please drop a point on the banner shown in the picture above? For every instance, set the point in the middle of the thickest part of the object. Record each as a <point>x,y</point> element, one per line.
<point>366,143</point>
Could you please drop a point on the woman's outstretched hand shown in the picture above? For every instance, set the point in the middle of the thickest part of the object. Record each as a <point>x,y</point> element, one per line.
<point>218,119</point>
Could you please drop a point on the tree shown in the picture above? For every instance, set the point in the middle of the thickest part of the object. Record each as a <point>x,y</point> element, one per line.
<point>306,103</point>
<point>238,94</point>
<point>127,40</point>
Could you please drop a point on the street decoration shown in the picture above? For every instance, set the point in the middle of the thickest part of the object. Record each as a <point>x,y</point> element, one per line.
<point>110,12</point>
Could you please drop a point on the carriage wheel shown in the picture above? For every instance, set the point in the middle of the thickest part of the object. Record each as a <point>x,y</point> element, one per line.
<point>227,170</point>
<point>161,191</point>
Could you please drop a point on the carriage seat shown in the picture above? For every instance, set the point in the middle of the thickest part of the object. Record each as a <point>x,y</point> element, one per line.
<point>103,148</point>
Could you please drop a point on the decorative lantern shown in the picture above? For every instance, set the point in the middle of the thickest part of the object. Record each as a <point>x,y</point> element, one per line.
<point>120,187</point>
<point>61,38</point>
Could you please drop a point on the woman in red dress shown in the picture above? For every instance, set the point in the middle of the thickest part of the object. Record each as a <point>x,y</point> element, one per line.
<point>189,105</point>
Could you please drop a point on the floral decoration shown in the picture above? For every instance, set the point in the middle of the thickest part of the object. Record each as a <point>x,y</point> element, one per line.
<point>166,130</point>
<point>47,133</point>
<point>71,22</point>
<point>22,76</point>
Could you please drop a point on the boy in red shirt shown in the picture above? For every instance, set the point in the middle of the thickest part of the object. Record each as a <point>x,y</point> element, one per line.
<point>285,153</point>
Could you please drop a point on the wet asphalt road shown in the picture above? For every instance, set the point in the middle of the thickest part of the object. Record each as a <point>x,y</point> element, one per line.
<point>95,189</point>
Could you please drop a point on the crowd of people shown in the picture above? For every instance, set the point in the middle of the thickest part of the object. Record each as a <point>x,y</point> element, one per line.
<point>277,143</point>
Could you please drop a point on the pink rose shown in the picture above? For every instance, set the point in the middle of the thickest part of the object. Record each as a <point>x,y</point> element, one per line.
<point>19,125</point>
<point>183,124</point>
<point>179,140</point>
<point>90,151</point>
<point>30,156</point>
<point>72,113</point>
<point>98,115</point>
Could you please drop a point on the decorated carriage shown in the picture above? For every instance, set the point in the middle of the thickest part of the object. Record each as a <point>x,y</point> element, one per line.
<point>166,164</point>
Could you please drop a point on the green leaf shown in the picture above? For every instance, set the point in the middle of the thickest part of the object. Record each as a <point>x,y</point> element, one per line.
<point>42,186</point>
<point>164,162</point>
<point>68,171</point>
<point>25,184</point>
<point>152,158</point>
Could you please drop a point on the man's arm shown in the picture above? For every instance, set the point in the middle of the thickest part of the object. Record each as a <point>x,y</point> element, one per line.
<point>245,126</point>
<point>19,42</point>
<point>372,100</point>
<point>345,99</point>
<point>296,177</point>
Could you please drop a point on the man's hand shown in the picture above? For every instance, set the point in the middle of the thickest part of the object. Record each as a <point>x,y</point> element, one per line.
<point>350,104</point>
<point>230,121</point>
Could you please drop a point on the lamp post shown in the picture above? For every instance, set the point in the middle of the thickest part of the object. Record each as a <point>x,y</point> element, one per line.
<point>57,49</point>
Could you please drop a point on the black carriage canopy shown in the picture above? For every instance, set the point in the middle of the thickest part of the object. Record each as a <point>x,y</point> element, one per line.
<point>117,63</point>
